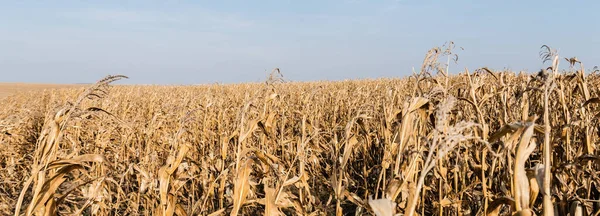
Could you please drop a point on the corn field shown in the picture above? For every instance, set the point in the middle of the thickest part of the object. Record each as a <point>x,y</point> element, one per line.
<point>480,142</point>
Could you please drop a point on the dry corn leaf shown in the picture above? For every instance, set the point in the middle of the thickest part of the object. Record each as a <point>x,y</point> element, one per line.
<point>49,187</point>
<point>496,205</point>
<point>521,182</point>
<point>271,208</point>
<point>241,186</point>
<point>383,207</point>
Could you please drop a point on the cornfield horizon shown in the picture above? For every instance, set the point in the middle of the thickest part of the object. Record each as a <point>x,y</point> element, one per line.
<point>481,142</point>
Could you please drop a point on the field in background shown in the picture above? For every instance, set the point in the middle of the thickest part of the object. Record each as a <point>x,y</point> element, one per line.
<point>483,142</point>
<point>7,89</point>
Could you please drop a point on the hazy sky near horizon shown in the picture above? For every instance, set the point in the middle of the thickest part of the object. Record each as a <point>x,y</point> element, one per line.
<point>194,42</point>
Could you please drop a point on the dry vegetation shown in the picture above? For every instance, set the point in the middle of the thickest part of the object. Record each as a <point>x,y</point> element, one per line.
<point>7,89</point>
<point>478,143</point>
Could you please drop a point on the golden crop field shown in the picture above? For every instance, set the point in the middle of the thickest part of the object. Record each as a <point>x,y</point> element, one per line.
<point>7,89</point>
<point>481,142</point>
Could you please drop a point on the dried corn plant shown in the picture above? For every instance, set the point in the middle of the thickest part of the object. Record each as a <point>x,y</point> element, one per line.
<point>481,142</point>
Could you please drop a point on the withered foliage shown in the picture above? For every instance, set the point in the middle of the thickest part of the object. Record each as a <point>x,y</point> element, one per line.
<point>475,143</point>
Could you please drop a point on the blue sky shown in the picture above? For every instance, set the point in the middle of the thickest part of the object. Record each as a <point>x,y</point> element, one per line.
<point>194,42</point>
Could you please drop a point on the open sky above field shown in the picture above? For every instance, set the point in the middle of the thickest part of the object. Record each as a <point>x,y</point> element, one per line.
<point>188,42</point>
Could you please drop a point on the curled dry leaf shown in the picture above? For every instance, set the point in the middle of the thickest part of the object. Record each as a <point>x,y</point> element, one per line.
<point>382,207</point>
